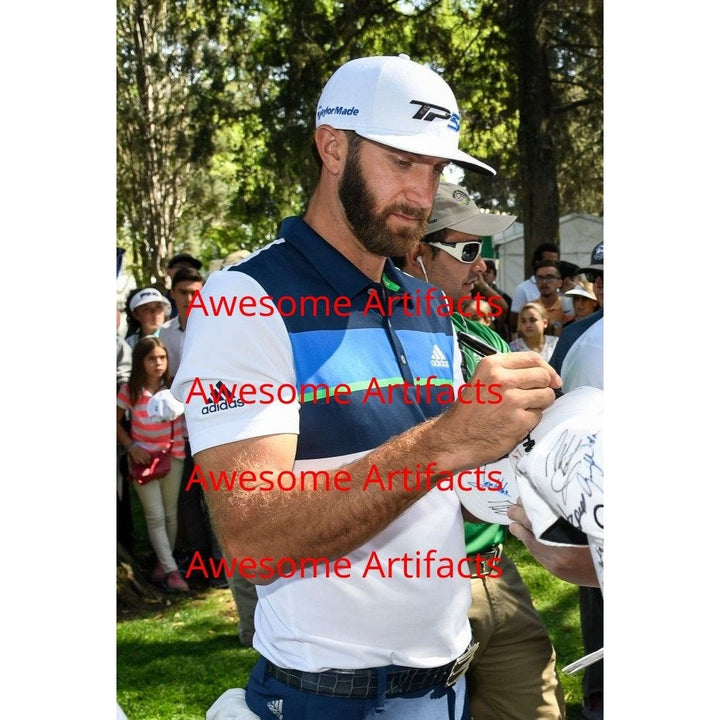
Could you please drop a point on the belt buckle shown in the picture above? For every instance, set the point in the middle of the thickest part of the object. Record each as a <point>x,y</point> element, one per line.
<point>461,665</point>
<point>494,552</point>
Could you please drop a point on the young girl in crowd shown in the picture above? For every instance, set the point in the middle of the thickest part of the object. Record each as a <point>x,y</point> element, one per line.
<point>532,322</point>
<point>159,498</point>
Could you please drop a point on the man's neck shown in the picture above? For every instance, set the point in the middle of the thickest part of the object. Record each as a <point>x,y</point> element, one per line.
<point>326,217</point>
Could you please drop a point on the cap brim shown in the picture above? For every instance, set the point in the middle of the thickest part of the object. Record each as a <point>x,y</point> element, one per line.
<point>429,145</point>
<point>589,267</point>
<point>165,302</point>
<point>580,293</point>
<point>483,224</point>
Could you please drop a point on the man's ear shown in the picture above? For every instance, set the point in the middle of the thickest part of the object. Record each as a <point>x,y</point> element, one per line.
<point>415,262</point>
<point>332,145</point>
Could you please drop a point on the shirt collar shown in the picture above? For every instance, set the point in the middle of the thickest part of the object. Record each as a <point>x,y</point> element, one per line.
<point>344,277</point>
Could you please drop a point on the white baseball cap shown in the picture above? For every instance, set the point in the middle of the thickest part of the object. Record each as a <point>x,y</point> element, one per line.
<point>396,102</point>
<point>453,208</point>
<point>149,295</point>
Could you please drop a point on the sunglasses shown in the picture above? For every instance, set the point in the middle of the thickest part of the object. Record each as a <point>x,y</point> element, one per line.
<point>593,275</point>
<point>466,252</point>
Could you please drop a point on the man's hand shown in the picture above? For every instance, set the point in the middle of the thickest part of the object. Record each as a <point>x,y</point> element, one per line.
<point>480,432</point>
<point>570,563</point>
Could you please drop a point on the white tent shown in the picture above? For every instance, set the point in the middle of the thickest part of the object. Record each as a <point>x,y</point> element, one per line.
<point>579,234</point>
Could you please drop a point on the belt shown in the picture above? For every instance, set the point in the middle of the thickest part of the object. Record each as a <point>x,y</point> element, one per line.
<point>494,551</point>
<point>363,683</point>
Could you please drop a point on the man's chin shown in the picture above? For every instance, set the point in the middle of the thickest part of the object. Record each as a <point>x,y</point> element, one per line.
<point>392,244</point>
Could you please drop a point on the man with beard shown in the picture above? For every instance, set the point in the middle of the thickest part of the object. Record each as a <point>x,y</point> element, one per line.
<point>362,600</point>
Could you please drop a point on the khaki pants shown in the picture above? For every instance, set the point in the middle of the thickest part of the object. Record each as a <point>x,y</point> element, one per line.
<point>159,500</point>
<point>512,676</point>
<point>245,597</point>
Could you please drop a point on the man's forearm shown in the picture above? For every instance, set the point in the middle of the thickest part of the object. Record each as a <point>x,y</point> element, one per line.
<point>297,523</point>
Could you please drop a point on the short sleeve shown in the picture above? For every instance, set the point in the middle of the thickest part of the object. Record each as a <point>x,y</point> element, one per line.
<point>234,365</point>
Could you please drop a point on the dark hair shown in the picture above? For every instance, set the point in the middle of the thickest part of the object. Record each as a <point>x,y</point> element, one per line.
<point>142,349</point>
<point>133,324</point>
<point>399,261</point>
<point>567,269</point>
<point>184,260</point>
<point>543,248</point>
<point>490,265</point>
<point>437,236</point>
<point>548,263</point>
<point>185,274</point>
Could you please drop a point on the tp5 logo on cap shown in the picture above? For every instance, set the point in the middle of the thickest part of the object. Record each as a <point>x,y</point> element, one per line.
<point>428,112</point>
<point>399,103</point>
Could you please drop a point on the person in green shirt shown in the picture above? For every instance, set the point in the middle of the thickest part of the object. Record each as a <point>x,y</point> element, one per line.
<point>513,675</point>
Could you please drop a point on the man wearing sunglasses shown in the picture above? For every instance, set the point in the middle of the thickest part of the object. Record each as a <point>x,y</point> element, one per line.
<point>512,675</point>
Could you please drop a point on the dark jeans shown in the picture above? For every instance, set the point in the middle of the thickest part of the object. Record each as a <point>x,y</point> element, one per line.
<point>591,622</point>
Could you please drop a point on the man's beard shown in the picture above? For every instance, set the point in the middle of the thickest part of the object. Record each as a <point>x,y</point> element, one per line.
<point>370,227</point>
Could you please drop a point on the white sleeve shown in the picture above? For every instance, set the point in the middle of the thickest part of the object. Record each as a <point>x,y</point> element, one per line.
<point>251,355</point>
<point>518,298</point>
<point>583,364</point>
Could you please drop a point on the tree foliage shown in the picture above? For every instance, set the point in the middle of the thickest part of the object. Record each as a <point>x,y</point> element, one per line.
<point>216,105</point>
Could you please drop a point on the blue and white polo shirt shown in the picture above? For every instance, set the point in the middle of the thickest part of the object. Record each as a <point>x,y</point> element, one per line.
<point>266,337</point>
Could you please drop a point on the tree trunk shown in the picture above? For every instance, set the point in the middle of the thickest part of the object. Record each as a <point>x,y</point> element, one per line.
<point>539,195</point>
<point>133,591</point>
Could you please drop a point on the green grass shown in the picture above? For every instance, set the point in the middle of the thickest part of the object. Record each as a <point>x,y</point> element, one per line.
<point>174,661</point>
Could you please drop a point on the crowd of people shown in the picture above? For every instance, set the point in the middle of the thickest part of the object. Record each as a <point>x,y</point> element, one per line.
<point>360,639</point>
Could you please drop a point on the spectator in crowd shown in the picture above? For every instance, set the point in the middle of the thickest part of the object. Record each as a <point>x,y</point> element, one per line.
<point>353,639</point>
<point>570,278</point>
<point>185,283</point>
<point>182,260</point>
<point>548,281</point>
<point>149,375</point>
<point>124,521</point>
<point>531,328</point>
<point>124,356</point>
<point>584,301</point>
<point>477,309</point>
<point>527,290</point>
<point>502,321</point>
<point>570,274</point>
<point>594,273</point>
<point>150,309</point>
<point>579,358</point>
<point>195,534</point>
<point>512,675</point>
